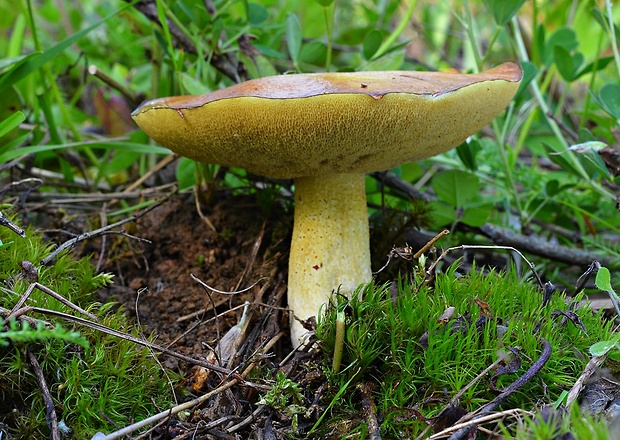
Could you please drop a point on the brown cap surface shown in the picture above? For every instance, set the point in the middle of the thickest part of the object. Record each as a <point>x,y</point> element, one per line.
<point>316,124</point>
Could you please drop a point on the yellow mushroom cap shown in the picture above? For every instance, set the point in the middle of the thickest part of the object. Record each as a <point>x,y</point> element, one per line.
<point>301,125</point>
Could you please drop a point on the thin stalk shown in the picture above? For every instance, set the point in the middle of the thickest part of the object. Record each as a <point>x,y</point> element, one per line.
<point>471,34</point>
<point>612,33</point>
<point>508,167</point>
<point>329,27</point>
<point>405,20</point>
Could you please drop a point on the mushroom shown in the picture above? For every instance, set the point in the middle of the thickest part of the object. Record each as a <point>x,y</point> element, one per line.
<point>325,131</point>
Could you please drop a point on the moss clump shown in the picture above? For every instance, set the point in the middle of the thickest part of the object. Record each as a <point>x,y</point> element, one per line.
<point>417,362</point>
<point>96,380</point>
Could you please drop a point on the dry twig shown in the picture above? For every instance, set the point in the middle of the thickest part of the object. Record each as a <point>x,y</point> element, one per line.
<point>101,231</point>
<point>50,411</point>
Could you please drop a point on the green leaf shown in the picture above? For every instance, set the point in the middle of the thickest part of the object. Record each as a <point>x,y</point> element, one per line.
<point>559,159</point>
<point>11,123</point>
<point>293,38</point>
<point>603,280</point>
<point>442,214</point>
<point>467,152</point>
<point>563,37</point>
<point>257,14</point>
<point>192,85</point>
<point>566,63</point>
<point>552,188</point>
<point>609,97</point>
<point>33,62</point>
<point>529,73</point>
<point>603,347</point>
<point>593,163</point>
<point>314,52</point>
<point>503,10</point>
<point>372,42</point>
<point>455,187</point>
<point>595,66</point>
<point>186,173</point>
<point>325,3</point>
<point>475,216</point>
<point>391,61</point>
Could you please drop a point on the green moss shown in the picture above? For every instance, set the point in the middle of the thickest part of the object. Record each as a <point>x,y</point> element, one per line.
<point>106,382</point>
<point>418,363</point>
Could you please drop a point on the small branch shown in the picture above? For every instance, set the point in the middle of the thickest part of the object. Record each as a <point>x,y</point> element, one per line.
<point>540,247</point>
<point>592,367</point>
<point>164,414</point>
<point>36,285</point>
<point>50,411</point>
<point>187,405</point>
<point>12,226</point>
<point>98,232</point>
<point>112,332</point>
<point>370,411</point>
<point>512,388</point>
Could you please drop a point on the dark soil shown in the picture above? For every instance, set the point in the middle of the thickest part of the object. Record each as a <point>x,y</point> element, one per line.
<point>243,247</point>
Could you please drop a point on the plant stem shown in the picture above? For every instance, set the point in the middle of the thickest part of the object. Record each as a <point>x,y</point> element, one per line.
<point>329,22</point>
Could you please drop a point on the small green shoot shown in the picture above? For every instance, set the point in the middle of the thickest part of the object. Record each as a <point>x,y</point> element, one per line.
<point>25,333</point>
<point>603,282</point>
<point>286,397</point>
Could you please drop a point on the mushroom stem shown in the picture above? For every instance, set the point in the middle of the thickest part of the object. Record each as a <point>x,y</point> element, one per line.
<point>330,249</point>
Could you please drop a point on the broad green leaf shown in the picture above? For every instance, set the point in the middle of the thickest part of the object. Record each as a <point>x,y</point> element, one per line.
<point>552,188</point>
<point>32,63</point>
<point>314,52</point>
<point>603,347</point>
<point>563,37</point>
<point>529,73</point>
<point>595,66</point>
<point>467,152</point>
<point>11,123</point>
<point>269,52</point>
<point>559,159</point>
<point>391,61</point>
<point>257,14</point>
<point>372,42</point>
<point>258,66</point>
<point>192,86</point>
<point>455,187</point>
<point>593,163</point>
<point>603,280</point>
<point>503,10</point>
<point>609,96</point>
<point>293,38</point>
<point>475,216</point>
<point>325,3</point>
<point>442,214</point>
<point>566,63</point>
<point>186,173</point>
